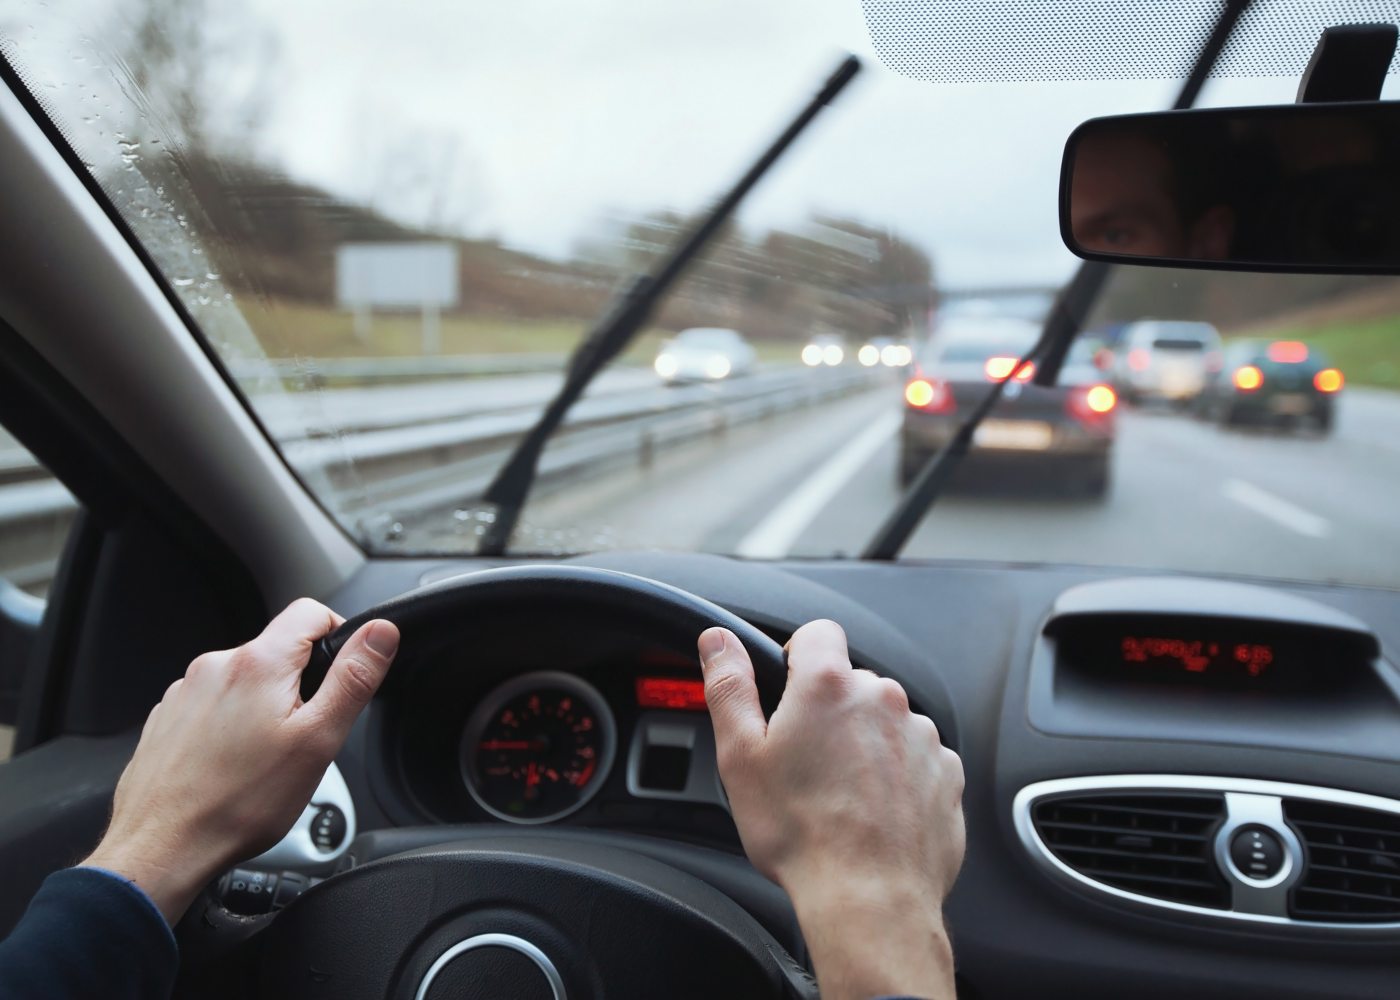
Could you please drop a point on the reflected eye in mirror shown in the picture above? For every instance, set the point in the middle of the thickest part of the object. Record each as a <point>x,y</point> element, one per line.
<point>1292,188</point>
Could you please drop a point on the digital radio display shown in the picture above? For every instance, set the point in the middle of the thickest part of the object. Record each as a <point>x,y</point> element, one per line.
<point>1198,655</point>
<point>1199,652</point>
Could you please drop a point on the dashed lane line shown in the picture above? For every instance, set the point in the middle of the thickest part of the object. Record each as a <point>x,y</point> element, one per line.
<point>1276,509</point>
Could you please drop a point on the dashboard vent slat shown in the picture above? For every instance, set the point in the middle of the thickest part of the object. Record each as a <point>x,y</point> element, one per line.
<point>1152,844</point>
<point>1353,869</point>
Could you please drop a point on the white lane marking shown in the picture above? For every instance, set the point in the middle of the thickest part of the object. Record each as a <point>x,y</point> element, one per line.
<point>772,537</point>
<point>1277,510</point>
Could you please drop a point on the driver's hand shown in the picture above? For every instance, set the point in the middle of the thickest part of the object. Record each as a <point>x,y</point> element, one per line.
<point>850,802</point>
<point>230,757</point>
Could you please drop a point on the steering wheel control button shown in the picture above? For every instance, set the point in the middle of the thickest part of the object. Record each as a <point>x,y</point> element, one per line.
<point>290,885</point>
<point>1257,852</point>
<point>492,965</point>
<point>247,891</point>
<point>328,828</point>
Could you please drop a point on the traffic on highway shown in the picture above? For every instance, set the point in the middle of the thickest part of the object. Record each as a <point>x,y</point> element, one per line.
<point>863,498</point>
<point>789,460</point>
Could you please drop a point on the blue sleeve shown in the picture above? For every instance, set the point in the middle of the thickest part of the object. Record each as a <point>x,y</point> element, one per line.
<point>88,933</point>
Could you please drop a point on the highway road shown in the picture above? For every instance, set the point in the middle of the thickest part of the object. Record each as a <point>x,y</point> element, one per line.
<point>1186,495</point>
<point>815,481</point>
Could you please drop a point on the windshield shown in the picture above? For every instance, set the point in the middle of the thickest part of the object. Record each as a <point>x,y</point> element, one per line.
<point>393,223</point>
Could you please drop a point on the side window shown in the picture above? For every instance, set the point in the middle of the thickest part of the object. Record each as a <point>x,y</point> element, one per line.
<point>36,513</point>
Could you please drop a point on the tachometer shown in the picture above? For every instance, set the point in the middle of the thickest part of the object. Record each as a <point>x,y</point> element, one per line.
<point>538,747</point>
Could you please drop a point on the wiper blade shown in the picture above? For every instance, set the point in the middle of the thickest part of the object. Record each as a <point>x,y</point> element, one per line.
<point>1066,319</point>
<point>1072,307</point>
<point>623,319</point>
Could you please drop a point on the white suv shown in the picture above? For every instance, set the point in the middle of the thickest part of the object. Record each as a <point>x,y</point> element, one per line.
<point>1166,359</point>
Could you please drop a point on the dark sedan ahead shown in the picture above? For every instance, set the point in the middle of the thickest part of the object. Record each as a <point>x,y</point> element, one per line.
<point>1273,382</point>
<point>1065,431</point>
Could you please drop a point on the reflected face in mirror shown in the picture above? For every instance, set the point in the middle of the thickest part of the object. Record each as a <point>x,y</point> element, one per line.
<point>1129,197</point>
<point>1300,187</point>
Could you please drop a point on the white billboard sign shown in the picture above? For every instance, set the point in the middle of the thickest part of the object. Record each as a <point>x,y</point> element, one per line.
<point>396,276</point>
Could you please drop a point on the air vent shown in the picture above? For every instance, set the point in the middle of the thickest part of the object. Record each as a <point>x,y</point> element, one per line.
<point>1157,845</point>
<point>1352,873</point>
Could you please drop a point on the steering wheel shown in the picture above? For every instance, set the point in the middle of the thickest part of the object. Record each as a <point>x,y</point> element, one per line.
<point>561,914</point>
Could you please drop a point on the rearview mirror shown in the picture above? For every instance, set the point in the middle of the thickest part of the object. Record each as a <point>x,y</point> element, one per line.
<point>1306,187</point>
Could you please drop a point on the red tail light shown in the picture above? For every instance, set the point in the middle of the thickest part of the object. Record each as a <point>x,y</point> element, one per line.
<point>1101,399</point>
<point>1093,402</point>
<point>1288,352</point>
<point>1328,380</point>
<point>929,395</point>
<point>1248,378</point>
<point>999,367</point>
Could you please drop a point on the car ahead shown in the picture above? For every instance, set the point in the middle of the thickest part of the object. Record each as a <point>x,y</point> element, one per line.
<point>704,354</point>
<point>824,350</point>
<point>1066,429</point>
<point>1273,382</point>
<point>1167,360</point>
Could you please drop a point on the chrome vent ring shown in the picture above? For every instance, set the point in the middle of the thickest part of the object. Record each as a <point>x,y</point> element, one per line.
<point>1210,848</point>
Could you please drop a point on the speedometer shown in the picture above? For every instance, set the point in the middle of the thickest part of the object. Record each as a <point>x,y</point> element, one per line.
<point>538,747</point>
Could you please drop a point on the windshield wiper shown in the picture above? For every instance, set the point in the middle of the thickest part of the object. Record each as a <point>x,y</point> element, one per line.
<point>621,322</point>
<point>1065,320</point>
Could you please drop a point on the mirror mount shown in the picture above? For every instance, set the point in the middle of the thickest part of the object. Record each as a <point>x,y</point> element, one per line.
<point>1349,64</point>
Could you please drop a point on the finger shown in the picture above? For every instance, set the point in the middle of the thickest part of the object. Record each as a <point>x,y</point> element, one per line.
<point>351,681</point>
<point>817,654</point>
<point>730,692</point>
<point>892,695</point>
<point>288,638</point>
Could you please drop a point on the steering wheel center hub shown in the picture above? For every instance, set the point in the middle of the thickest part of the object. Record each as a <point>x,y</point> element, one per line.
<point>494,965</point>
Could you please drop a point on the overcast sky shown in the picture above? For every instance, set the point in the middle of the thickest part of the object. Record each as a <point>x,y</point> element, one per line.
<point>536,120</point>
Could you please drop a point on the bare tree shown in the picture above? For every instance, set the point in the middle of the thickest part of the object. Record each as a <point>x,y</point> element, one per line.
<point>200,74</point>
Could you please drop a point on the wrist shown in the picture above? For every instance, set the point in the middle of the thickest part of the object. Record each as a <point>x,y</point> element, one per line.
<point>166,876</point>
<point>872,936</point>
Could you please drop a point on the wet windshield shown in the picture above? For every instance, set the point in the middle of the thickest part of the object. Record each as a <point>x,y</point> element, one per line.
<point>393,223</point>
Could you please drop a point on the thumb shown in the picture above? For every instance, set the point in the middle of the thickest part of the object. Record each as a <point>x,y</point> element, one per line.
<point>730,693</point>
<point>352,679</point>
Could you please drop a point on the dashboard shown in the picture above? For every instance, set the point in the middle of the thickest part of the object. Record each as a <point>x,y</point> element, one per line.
<point>1205,720</point>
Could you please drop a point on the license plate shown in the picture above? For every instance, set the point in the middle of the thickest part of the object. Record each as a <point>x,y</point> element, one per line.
<point>1017,435</point>
<point>1293,404</point>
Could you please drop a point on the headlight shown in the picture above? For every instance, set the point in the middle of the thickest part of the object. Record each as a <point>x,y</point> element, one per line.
<point>666,365</point>
<point>833,355</point>
<point>869,355</point>
<point>811,355</point>
<point>717,366</point>
<point>896,356</point>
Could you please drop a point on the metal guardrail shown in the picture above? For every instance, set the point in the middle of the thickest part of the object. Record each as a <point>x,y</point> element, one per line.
<point>380,370</point>
<point>412,470</point>
<point>585,448</point>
